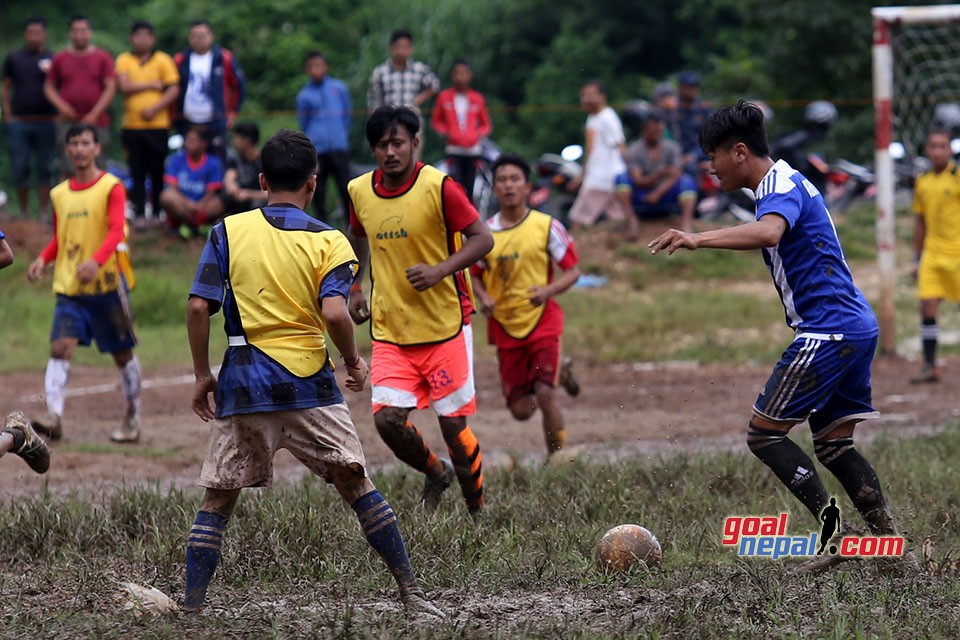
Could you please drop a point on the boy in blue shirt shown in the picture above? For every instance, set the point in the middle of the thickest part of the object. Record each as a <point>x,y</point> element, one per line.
<point>824,375</point>
<point>193,180</point>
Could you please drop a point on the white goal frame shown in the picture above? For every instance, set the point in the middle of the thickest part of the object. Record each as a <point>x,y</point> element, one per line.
<point>884,20</point>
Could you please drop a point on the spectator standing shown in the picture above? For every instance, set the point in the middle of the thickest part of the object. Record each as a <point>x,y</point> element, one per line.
<point>81,84</point>
<point>29,115</point>
<point>461,117</point>
<point>241,182</point>
<point>323,112</point>
<point>212,86</point>
<point>402,81</point>
<point>691,114</point>
<point>149,83</point>
<point>606,148</point>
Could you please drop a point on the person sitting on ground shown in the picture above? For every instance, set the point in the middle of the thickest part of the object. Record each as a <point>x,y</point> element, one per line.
<point>658,185</point>
<point>192,180</point>
<point>241,182</point>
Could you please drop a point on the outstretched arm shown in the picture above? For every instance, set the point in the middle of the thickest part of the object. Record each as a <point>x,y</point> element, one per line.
<point>765,232</point>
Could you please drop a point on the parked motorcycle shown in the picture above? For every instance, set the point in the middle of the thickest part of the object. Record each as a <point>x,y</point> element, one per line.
<point>554,173</point>
<point>482,195</point>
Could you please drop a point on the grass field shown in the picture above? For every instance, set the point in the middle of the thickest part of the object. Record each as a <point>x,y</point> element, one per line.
<point>295,563</point>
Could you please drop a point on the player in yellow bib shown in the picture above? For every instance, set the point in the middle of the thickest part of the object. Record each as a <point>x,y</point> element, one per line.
<point>90,281</point>
<point>515,287</point>
<point>419,232</point>
<point>936,244</point>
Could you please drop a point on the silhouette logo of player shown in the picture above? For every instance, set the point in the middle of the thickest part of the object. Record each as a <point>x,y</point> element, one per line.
<point>830,517</point>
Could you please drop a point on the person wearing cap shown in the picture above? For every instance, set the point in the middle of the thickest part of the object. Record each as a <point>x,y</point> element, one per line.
<point>664,98</point>
<point>655,182</point>
<point>691,114</point>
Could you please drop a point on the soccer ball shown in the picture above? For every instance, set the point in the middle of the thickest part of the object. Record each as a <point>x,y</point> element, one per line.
<point>625,545</point>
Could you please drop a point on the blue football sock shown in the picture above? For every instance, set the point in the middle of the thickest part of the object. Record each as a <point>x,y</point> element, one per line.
<point>203,555</point>
<point>382,532</point>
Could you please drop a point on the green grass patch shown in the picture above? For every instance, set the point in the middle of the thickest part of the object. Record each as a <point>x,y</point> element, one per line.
<point>295,562</point>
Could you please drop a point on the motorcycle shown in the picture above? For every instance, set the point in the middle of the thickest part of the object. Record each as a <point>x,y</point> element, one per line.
<point>554,173</point>
<point>482,194</point>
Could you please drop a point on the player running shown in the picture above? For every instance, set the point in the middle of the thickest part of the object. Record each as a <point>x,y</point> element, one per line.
<point>515,287</point>
<point>282,279</point>
<point>419,231</point>
<point>90,279</point>
<point>824,375</point>
<point>936,244</point>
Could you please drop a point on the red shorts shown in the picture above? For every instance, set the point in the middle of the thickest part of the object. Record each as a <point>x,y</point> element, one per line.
<point>522,367</point>
<point>417,377</point>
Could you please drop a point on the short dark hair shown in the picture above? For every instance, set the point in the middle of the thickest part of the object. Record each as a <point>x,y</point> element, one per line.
<point>35,20</point>
<point>595,82</point>
<point>728,125</point>
<point>387,118</point>
<point>201,130</point>
<point>939,131</point>
<point>288,159</point>
<point>78,129</point>
<point>401,34</point>
<point>141,24</point>
<point>201,23</point>
<point>460,61</point>
<point>313,54</point>
<point>248,130</point>
<point>79,18</point>
<point>514,159</point>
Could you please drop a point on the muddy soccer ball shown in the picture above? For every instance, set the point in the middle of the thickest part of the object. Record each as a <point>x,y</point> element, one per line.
<point>624,546</point>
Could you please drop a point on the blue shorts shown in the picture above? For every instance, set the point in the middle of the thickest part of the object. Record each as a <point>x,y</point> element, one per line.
<point>821,378</point>
<point>105,318</point>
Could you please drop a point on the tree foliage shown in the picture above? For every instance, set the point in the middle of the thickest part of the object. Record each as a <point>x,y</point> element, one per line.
<point>529,56</point>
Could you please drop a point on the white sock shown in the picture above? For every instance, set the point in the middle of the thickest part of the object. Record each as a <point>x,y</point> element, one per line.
<point>55,384</point>
<point>130,383</point>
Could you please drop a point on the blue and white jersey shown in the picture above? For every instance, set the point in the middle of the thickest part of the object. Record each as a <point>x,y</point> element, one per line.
<point>808,267</point>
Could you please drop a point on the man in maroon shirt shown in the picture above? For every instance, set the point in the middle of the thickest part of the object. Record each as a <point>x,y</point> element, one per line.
<point>80,85</point>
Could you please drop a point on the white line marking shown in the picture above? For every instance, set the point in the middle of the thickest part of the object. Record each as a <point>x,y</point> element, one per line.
<point>109,388</point>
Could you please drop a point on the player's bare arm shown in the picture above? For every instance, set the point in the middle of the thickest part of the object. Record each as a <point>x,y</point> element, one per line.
<point>359,311</point>
<point>477,242</point>
<point>540,295</point>
<point>198,334</point>
<point>337,318</point>
<point>765,232</point>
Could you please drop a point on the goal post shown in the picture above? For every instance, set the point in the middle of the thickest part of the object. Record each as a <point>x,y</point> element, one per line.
<point>915,66</point>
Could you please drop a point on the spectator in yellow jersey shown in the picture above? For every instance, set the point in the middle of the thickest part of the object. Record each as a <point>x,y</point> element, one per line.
<point>936,244</point>
<point>419,232</point>
<point>149,82</point>
<point>516,290</point>
<point>89,280</point>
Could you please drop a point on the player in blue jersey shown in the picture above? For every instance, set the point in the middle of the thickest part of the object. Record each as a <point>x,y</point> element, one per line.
<point>824,375</point>
<point>282,279</point>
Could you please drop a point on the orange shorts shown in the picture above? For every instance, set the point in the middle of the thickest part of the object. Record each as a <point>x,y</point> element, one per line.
<point>417,377</point>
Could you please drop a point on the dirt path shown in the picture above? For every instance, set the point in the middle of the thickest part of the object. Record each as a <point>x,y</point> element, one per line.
<point>626,409</point>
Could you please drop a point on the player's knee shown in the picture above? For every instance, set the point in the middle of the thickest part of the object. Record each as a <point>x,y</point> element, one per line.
<point>761,438</point>
<point>523,408</point>
<point>544,394</point>
<point>220,501</point>
<point>390,421</point>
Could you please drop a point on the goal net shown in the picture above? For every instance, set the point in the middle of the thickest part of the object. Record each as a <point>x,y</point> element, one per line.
<point>916,71</point>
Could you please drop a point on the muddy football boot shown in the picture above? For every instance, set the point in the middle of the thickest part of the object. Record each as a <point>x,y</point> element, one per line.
<point>26,443</point>
<point>567,380</point>
<point>433,487</point>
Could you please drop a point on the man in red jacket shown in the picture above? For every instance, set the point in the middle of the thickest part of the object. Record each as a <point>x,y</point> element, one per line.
<point>461,117</point>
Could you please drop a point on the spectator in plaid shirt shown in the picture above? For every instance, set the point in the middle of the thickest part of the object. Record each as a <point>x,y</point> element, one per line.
<point>402,81</point>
